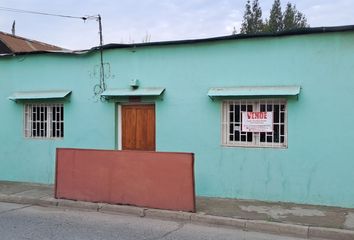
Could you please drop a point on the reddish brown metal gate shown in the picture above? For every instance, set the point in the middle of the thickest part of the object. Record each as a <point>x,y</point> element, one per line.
<point>141,178</point>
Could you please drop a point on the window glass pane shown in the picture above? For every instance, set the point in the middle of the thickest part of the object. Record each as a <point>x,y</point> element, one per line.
<point>231,116</point>
<point>54,129</point>
<point>58,129</point>
<point>33,129</point>
<point>282,129</point>
<point>39,114</point>
<point>249,137</point>
<point>42,128</point>
<point>282,107</point>
<point>269,107</point>
<point>45,130</point>
<point>262,107</point>
<point>237,113</point>
<point>62,115</point>
<point>276,133</point>
<point>62,129</point>
<point>243,138</point>
<point>231,137</point>
<point>38,125</point>
<point>237,135</point>
<point>282,117</point>
<point>262,137</point>
<point>276,114</point>
<point>54,111</point>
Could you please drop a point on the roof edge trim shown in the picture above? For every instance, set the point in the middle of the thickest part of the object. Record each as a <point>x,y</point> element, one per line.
<point>130,92</point>
<point>300,31</point>
<point>246,91</point>
<point>37,95</point>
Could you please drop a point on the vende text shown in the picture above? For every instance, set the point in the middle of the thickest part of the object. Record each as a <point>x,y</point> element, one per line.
<point>257,115</point>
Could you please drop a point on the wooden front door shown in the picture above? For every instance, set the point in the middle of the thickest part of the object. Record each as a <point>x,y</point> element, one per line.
<point>138,127</point>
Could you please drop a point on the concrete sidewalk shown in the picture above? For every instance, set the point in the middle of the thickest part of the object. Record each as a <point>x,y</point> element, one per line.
<point>305,221</point>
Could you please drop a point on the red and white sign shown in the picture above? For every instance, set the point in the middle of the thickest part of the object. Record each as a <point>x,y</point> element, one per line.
<point>257,121</point>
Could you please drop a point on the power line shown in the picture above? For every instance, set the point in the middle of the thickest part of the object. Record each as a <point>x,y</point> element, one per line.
<point>102,85</point>
<point>44,13</point>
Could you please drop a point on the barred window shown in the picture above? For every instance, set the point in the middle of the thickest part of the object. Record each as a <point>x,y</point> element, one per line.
<point>44,121</point>
<point>234,135</point>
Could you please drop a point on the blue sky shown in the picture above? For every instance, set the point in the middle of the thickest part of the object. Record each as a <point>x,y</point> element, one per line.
<point>126,21</point>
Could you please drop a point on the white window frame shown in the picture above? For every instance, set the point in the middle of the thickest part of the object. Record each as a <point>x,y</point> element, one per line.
<point>45,121</point>
<point>256,142</point>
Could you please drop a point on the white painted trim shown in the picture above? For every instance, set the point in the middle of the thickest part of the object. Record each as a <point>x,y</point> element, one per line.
<point>119,127</point>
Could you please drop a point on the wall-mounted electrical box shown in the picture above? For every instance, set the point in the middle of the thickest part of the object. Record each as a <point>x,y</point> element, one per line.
<point>134,83</point>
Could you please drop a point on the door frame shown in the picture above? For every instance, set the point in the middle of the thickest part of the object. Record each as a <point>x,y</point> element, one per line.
<point>118,121</point>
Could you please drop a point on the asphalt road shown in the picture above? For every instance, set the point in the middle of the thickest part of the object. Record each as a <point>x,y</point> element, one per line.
<point>26,222</point>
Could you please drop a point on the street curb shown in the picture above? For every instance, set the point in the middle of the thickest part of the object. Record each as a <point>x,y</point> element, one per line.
<point>121,209</point>
<point>285,229</point>
<point>278,228</point>
<point>46,202</point>
<point>168,215</point>
<point>63,203</point>
<point>331,233</point>
<point>198,218</point>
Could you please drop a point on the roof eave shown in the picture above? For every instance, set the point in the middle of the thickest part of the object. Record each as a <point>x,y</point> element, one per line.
<point>301,31</point>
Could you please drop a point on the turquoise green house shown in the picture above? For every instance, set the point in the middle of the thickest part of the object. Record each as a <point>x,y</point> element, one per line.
<point>269,116</point>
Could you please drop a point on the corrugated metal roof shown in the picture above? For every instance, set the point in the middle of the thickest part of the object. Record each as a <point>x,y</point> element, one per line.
<point>32,95</point>
<point>127,92</point>
<point>19,44</point>
<point>254,91</point>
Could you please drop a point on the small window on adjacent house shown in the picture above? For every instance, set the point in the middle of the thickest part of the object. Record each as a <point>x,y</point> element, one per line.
<point>255,123</point>
<point>44,120</point>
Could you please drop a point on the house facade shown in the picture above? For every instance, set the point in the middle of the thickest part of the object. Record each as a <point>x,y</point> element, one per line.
<point>268,117</point>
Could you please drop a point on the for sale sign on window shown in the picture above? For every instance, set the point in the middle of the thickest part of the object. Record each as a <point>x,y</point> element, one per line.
<point>257,121</point>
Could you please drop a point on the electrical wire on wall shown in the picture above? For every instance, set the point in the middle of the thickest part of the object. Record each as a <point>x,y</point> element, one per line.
<point>98,88</point>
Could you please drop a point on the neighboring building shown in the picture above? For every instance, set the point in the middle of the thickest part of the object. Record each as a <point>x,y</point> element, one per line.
<point>14,44</point>
<point>297,86</point>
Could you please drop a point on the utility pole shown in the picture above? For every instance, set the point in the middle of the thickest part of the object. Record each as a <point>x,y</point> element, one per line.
<point>102,80</point>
